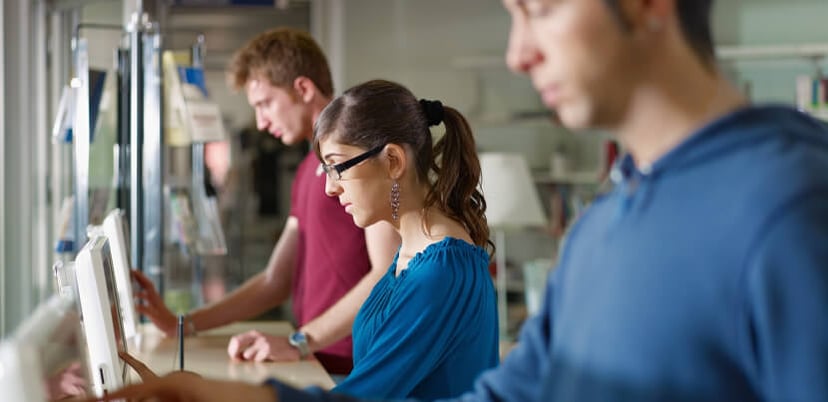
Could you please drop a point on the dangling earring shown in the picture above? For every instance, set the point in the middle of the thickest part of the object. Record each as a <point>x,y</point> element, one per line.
<point>395,201</point>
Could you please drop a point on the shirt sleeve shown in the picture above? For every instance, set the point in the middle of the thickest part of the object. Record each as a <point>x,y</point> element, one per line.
<point>435,304</point>
<point>787,303</point>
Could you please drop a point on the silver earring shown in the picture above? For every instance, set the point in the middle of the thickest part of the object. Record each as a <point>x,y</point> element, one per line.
<point>395,201</point>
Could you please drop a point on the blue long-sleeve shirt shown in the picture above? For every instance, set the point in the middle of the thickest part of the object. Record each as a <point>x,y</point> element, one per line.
<point>429,332</point>
<point>703,277</point>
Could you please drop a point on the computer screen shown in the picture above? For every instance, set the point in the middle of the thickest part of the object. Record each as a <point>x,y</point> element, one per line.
<point>101,316</point>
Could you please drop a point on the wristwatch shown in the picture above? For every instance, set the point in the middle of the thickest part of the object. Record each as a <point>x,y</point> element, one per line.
<point>299,341</point>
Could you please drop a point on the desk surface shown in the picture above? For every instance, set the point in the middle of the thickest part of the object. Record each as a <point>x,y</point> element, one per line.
<point>206,354</point>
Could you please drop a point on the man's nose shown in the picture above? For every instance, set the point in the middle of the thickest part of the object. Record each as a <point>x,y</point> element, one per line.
<point>261,123</point>
<point>522,54</point>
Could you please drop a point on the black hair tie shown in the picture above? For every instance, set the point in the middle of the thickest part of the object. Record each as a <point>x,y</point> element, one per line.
<point>433,111</point>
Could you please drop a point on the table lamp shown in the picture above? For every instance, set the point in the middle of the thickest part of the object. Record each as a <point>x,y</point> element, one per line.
<point>512,204</point>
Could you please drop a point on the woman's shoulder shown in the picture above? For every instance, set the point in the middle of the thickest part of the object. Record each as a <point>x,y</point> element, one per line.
<point>446,267</point>
<point>449,252</point>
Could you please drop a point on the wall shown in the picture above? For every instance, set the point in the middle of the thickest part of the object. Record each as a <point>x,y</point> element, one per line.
<point>102,43</point>
<point>770,22</point>
<point>419,44</point>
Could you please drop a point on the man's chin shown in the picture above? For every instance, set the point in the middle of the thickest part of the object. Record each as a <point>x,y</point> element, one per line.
<point>288,139</point>
<point>572,120</point>
<point>293,139</point>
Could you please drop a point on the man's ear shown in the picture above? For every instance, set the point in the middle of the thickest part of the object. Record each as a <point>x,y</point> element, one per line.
<point>647,15</point>
<point>305,88</point>
<point>396,159</point>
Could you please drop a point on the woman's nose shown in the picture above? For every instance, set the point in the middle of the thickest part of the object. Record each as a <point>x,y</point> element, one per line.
<point>332,187</point>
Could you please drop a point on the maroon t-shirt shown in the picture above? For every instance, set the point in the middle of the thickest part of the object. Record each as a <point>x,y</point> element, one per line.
<point>332,257</point>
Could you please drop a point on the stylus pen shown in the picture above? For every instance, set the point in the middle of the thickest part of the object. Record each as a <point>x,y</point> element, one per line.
<point>181,343</point>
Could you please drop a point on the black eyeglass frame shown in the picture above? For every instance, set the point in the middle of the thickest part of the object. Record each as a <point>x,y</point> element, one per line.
<point>335,171</point>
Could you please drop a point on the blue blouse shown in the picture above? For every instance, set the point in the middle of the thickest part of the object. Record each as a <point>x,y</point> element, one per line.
<point>429,332</point>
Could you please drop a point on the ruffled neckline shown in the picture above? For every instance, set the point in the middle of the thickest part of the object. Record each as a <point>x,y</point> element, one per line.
<point>446,243</point>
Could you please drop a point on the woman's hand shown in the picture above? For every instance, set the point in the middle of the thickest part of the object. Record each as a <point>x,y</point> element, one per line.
<point>143,371</point>
<point>256,346</point>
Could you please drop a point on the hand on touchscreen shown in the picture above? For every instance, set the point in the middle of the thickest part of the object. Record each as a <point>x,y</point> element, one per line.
<point>150,304</point>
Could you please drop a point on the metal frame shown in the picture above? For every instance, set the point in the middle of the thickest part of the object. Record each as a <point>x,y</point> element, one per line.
<point>151,152</point>
<point>136,135</point>
<point>3,293</point>
<point>42,256</point>
<point>60,159</point>
<point>22,169</point>
<point>81,137</point>
<point>146,202</point>
<point>82,130</point>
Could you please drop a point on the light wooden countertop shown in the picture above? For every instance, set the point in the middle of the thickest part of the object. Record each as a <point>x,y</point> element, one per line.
<point>206,354</point>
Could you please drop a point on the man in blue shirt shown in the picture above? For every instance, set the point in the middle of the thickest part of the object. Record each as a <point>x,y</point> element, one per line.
<point>703,274</point>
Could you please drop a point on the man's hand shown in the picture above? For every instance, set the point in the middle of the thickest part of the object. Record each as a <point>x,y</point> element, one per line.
<point>149,303</point>
<point>256,346</point>
<point>187,387</point>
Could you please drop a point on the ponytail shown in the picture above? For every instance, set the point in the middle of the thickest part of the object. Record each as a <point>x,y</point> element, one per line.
<point>456,170</point>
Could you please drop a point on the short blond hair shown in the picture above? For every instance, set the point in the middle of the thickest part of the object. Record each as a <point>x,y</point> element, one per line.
<point>281,55</point>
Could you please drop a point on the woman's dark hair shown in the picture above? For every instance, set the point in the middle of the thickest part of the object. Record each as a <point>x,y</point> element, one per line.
<point>381,112</point>
<point>694,17</point>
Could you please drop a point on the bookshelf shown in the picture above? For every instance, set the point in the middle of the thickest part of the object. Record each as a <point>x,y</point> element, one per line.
<point>572,178</point>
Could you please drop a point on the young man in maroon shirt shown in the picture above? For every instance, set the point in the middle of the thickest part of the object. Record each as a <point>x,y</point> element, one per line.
<point>322,260</point>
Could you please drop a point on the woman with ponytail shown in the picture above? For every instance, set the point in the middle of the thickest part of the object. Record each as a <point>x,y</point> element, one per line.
<point>429,327</point>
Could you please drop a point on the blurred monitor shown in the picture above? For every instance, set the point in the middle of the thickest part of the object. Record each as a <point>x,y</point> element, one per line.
<point>100,310</point>
<point>44,358</point>
<point>115,229</point>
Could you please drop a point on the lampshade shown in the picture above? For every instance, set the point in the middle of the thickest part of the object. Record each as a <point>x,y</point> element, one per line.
<point>512,200</point>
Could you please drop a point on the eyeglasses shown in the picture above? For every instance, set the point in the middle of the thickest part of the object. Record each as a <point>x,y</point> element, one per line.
<point>335,171</point>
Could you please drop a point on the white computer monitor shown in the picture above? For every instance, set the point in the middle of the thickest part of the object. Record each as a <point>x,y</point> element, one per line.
<point>101,316</point>
<point>43,348</point>
<point>115,229</point>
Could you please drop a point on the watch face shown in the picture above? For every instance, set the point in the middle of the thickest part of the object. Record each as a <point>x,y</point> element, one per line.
<point>300,342</point>
<point>297,337</point>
